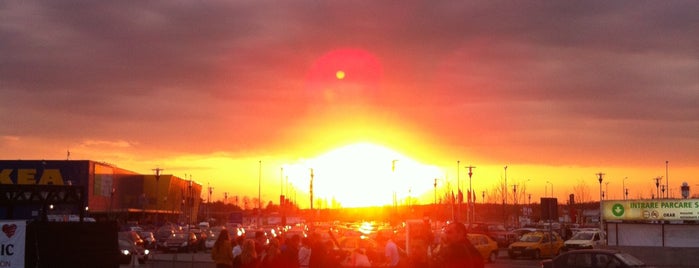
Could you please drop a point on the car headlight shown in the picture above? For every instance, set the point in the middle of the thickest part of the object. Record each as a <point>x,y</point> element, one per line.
<point>146,252</point>
<point>125,252</point>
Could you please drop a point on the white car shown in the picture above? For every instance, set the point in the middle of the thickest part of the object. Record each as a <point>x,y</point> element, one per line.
<point>585,240</point>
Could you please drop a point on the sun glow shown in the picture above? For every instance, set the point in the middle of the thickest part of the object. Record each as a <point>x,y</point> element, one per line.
<point>365,174</point>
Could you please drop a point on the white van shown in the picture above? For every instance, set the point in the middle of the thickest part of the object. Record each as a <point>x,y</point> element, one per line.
<point>587,239</point>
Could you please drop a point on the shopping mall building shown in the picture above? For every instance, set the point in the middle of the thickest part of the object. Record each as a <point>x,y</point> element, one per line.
<point>75,190</point>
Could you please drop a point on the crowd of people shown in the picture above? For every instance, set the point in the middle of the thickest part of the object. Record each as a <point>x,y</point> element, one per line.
<point>452,250</point>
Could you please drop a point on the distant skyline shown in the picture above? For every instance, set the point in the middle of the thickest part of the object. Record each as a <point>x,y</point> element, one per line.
<point>556,91</point>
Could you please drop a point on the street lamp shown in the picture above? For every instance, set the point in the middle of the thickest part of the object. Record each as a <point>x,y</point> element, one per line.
<point>459,195</point>
<point>601,225</point>
<point>259,193</point>
<point>657,185</point>
<point>470,193</point>
<point>157,194</point>
<point>435,191</point>
<point>623,187</point>
<point>504,200</point>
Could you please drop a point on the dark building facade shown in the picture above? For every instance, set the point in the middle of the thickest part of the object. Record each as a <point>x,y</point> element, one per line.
<point>60,190</point>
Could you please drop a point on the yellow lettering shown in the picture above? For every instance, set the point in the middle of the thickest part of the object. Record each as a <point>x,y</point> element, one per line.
<point>5,176</point>
<point>26,176</point>
<point>51,176</point>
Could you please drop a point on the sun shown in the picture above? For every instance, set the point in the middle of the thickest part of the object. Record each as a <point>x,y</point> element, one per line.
<point>366,174</point>
<point>340,75</point>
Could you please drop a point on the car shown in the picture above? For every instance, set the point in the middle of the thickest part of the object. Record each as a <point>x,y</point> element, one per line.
<point>149,241</point>
<point>536,245</point>
<point>162,234</point>
<point>201,237</point>
<point>594,258</point>
<point>585,240</point>
<point>211,238</point>
<point>132,236</point>
<point>128,249</point>
<point>496,231</point>
<point>485,245</point>
<point>181,242</point>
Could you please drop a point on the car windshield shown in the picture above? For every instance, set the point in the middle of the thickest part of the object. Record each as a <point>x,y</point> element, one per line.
<point>530,238</point>
<point>630,260</point>
<point>582,236</point>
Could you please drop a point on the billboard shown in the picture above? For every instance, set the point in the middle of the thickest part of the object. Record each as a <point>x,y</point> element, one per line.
<point>651,209</point>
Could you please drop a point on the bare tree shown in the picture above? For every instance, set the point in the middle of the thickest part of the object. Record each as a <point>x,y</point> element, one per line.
<point>582,192</point>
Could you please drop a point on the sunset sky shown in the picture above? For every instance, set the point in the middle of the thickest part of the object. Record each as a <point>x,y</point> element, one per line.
<point>234,92</point>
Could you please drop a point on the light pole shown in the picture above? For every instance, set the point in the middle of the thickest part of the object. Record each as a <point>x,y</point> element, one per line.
<point>157,194</point>
<point>623,188</point>
<point>208,203</point>
<point>393,177</point>
<point>601,224</point>
<point>191,202</point>
<point>435,192</point>
<point>259,193</point>
<point>657,186</point>
<point>459,195</point>
<point>514,194</point>
<point>504,200</point>
<point>667,179</point>
<point>662,189</point>
<point>470,193</point>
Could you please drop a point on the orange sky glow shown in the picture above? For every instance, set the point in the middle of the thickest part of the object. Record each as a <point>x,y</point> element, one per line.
<point>375,97</point>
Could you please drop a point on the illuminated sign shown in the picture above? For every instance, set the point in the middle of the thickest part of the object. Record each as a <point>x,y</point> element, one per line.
<point>652,209</point>
<point>31,176</point>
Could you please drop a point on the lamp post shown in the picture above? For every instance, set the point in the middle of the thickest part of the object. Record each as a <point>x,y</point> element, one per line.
<point>662,189</point>
<point>435,192</point>
<point>157,194</point>
<point>623,188</point>
<point>504,200</point>
<point>601,224</point>
<point>208,203</point>
<point>657,186</point>
<point>259,193</point>
<point>393,177</point>
<point>458,191</point>
<point>667,178</point>
<point>111,200</point>
<point>191,202</point>
<point>470,193</point>
<point>514,194</point>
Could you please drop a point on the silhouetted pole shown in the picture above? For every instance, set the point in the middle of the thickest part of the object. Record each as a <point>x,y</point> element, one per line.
<point>601,224</point>
<point>470,193</point>
<point>259,194</point>
<point>504,200</point>
<point>458,191</point>
<point>157,194</point>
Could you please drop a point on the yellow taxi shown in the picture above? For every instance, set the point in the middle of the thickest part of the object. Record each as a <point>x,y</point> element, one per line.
<point>536,245</point>
<point>485,245</point>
